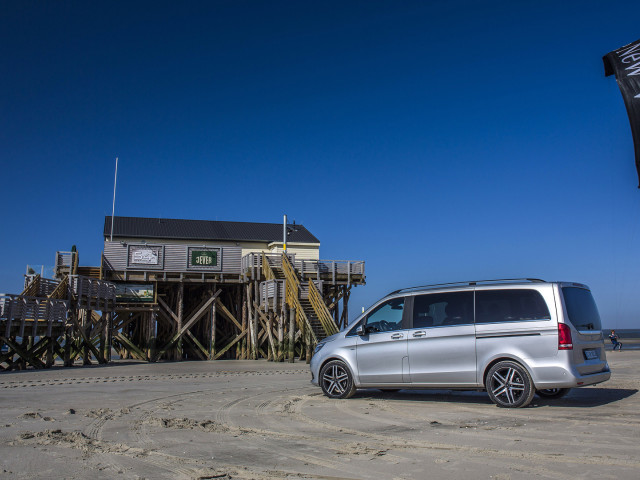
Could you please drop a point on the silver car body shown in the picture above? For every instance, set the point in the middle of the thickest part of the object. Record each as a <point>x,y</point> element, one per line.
<point>459,356</point>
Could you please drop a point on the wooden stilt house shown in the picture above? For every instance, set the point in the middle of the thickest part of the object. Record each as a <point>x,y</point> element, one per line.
<point>196,289</point>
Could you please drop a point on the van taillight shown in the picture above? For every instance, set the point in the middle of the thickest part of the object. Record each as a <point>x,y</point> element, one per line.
<point>564,337</point>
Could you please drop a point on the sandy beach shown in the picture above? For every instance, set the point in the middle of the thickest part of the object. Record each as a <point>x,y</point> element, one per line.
<point>255,419</point>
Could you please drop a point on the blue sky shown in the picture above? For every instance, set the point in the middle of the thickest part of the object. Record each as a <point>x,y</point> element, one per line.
<point>436,141</point>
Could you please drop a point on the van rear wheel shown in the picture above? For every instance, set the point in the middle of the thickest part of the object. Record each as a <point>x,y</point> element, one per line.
<point>553,392</point>
<point>336,380</point>
<point>509,385</point>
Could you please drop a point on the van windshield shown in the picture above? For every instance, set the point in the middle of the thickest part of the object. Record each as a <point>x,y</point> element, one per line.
<point>581,308</point>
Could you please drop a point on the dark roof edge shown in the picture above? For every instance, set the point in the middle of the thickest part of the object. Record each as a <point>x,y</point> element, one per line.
<point>107,230</point>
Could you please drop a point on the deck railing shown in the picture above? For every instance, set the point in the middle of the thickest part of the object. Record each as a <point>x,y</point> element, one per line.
<point>273,294</point>
<point>36,286</point>
<point>66,262</point>
<point>253,266</point>
<point>20,309</point>
<point>91,291</point>
<point>320,268</point>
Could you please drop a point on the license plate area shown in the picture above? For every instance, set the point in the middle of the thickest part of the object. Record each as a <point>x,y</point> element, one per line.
<point>591,354</point>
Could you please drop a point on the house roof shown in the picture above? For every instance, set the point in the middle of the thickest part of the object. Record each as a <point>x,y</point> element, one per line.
<point>168,228</point>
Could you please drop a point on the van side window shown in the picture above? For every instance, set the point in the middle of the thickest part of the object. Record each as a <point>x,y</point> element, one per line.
<point>443,309</point>
<point>386,317</point>
<point>510,306</point>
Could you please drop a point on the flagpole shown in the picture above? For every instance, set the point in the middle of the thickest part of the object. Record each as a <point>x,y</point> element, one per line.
<point>113,209</point>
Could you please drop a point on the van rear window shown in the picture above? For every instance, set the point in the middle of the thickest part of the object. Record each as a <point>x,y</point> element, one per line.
<point>581,308</point>
<point>515,305</point>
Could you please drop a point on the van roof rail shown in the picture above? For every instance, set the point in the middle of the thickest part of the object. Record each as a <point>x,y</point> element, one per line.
<point>471,283</point>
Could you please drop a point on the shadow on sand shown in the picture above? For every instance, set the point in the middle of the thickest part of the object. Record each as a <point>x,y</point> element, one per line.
<point>75,368</point>
<point>577,397</point>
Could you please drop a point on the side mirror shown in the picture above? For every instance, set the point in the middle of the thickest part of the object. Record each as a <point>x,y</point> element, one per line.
<point>361,330</point>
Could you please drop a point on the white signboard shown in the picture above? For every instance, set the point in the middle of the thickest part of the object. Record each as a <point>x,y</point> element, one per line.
<point>150,256</point>
<point>145,256</point>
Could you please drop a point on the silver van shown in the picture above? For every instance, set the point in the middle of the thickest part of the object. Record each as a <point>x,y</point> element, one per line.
<point>512,338</point>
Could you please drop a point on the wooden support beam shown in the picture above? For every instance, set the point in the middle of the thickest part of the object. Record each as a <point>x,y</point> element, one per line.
<point>24,354</point>
<point>164,305</point>
<point>126,322</point>
<point>227,314</point>
<point>180,313</point>
<point>292,327</point>
<point>87,342</point>
<point>280,356</point>
<point>200,350</point>
<point>266,325</point>
<point>129,345</point>
<point>243,346</point>
<point>212,340</point>
<point>192,319</point>
<point>57,348</point>
<point>230,344</point>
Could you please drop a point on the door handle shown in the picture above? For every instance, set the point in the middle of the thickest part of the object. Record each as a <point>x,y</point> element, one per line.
<point>419,334</point>
<point>396,336</point>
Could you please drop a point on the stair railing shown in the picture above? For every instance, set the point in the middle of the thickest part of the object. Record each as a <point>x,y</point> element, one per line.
<point>61,291</point>
<point>32,289</point>
<point>292,289</point>
<point>266,269</point>
<point>322,312</point>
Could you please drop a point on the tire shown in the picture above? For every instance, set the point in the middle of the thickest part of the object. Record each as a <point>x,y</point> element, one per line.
<point>553,392</point>
<point>509,385</point>
<point>336,380</point>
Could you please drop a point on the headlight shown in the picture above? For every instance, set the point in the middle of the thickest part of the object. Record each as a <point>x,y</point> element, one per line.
<point>318,347</point>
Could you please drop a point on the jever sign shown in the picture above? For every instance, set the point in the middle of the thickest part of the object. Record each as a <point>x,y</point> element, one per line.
<point>204,258</point>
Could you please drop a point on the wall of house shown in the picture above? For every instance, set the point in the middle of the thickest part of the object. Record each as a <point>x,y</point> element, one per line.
<point>172,255</point>
<point>302,252</point>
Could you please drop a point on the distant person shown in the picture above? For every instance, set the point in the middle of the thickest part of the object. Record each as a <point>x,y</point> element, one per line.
<point>614,339</point>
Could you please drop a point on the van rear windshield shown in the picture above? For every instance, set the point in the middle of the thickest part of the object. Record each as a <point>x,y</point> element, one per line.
<point>581,308</point>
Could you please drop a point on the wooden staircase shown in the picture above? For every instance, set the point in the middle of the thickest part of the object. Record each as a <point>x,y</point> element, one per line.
<point>314,321</point>
<point>311,309</point>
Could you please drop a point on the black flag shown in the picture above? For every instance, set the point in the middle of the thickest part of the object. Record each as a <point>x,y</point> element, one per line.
<point>625,64</point>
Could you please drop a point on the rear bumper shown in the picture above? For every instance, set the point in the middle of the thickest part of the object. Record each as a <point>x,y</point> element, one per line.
<point>570,378</point>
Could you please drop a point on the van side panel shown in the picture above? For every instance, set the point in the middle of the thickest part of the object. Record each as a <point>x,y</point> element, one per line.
<point>531,342</point>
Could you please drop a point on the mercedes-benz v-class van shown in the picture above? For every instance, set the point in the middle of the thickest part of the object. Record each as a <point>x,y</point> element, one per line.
<point>512,338</point>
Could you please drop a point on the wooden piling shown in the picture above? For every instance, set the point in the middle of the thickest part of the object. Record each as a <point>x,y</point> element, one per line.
<point>178,347</point>
<point>280,357</point>
<point>212,342</point>
<point>292,336</point>
<point>244,347</point>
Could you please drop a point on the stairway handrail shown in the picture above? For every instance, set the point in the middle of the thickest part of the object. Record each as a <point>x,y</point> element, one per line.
<point>315,297</point>
<point>61,291</point>
<point>292,287</point>
<point>266,269</point>
<point>33,288</point>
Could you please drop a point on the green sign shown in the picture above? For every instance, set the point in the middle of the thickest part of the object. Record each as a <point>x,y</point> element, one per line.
<point>204,258</point>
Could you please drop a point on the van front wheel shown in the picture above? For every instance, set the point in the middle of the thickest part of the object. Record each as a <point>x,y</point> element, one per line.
<point>336,380</point>
<point>509,385</point>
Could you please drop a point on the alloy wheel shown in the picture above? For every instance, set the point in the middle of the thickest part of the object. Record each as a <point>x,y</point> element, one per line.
<point>336,380</point>
<point>507,385</point>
